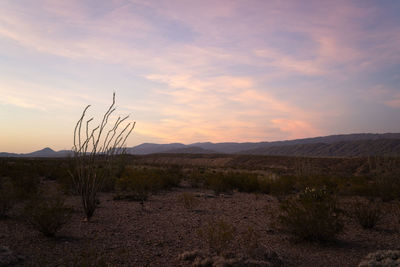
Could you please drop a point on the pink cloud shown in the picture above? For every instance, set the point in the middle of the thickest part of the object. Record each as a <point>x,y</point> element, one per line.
<point>394,102</point>
<point>295,128</point>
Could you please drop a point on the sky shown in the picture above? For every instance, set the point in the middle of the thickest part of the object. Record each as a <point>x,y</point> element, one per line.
<point>195,71</point>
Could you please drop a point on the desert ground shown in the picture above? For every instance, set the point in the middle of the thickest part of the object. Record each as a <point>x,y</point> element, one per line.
<point>165,227</point>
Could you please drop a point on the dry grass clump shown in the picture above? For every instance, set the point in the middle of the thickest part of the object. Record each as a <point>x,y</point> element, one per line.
<point>312,215</point>
<point>218,236</point>
<point>381,258</point>
<point>367,213</point>
<point>189,201</point>
<point>47,214</point>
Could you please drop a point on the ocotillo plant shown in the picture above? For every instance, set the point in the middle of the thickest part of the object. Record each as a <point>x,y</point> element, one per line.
<point>94,150</point>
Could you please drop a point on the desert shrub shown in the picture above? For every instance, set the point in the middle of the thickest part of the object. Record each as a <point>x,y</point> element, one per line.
<point>189,201</point>
<point>7,196</point>
<point>227,181</point>
<point>26,186</point>
<point>385,173</point>
<point>165,178</point>
<point>359,186</point>
<point>134,185</point>
<point>381,258</point>
<point>384,186</point>
<point>196,177</point>
<point>217,234</point>
<point>218,182</point>
<point>317,181</point>
<point>23,176</point>
<point>312,215</point>
<point>47,215</point>
<point>367,213</point>
<point>387,187</point>
<point>245,182</point>
<point>143,181</point>
<point>283,185</point>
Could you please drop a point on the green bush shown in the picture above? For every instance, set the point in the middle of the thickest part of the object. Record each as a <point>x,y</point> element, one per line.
<point>7,196</point>
<point>312,215</point>
<point>368,214</point>
<point>218,235</point>
<point>47,215</point>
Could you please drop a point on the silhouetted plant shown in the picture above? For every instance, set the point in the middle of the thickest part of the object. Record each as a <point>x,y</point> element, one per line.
<point>94,151</point>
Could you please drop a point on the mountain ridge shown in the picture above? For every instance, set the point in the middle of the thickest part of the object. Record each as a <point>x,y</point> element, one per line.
<point>361,144</point>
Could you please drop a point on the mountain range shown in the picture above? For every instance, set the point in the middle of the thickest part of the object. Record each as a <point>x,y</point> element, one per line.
<point>363,144</point>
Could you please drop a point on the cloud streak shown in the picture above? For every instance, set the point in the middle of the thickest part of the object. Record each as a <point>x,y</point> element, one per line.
<point>210,71</point>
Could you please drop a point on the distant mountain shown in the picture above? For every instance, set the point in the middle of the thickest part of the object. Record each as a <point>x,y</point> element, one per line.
<point>190,150</point>
<point>229,148</point>
<point>9,155</point>
<point>307,146</point>
<point>376,147</point>
<point>334,145</point>
<point>148,148</point>
<point>43,153</point>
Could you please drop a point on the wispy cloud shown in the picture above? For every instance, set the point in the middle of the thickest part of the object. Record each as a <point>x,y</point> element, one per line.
<point>239,70</point>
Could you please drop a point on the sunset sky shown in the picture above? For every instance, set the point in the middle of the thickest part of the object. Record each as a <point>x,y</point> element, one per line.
<point>192,71</point>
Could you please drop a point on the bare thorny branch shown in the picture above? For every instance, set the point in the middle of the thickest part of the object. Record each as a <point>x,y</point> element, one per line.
<point>92,152</point>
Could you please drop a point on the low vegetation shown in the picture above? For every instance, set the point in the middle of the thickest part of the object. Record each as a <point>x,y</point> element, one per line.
<point>47,214</point>
<point>95,150</point>
<point>312,215</point>
<point>312,199</point>
<point>217,235</point>
<point>189,201</point>
<point>367,213</point>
